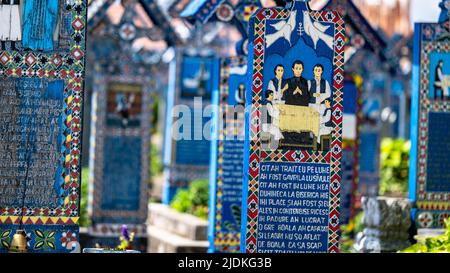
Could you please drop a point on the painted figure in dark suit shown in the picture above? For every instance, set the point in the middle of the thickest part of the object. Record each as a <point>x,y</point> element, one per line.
<point>297,87</point>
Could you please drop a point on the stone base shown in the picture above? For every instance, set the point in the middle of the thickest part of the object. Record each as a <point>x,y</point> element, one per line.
<point>375,241</point>
<point>423,233</point>
<point>170,231</point>
<point>387,223</point>
<point>162,241</point>
<point>430,232</point>
<point>181,224</point>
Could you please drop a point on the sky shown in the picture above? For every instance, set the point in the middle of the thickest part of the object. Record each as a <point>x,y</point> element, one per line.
<point>424,10</point>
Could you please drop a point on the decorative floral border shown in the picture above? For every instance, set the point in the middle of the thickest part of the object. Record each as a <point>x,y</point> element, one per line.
<point>43,238</point>
<point>257,155</point>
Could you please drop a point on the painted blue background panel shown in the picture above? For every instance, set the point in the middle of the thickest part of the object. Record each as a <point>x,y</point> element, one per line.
<point>369,164</point>
<point>438,154</point>
<point>232,184</point>
<point>348,161</point>
<point>122,173</point>
<point>369,143</point>
<point>350,97</point>
<point>194,151</point>
<point>196,77</point>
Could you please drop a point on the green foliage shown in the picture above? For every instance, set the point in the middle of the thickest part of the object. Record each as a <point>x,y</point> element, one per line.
<point>437,244</point>
<point>155,114</point>
<point>84,219</point>
<point>358,223</point>
<point>349,231</point>
<point>156,167</point>
<point>394,166</point>
<point>193,200</point>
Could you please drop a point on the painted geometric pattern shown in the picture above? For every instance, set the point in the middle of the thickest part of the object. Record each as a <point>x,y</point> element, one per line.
<point>100,131</point>
<point>224,242</point>
<point>429,200</point>
<point>256,155</point>
<point>43,238</point>
<point>68,65</point>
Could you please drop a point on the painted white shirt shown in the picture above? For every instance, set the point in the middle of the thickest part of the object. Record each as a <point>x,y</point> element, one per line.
<point>323,96</point>
<point>273,128</point>
<point>277,90</point>
<point>10,23</point>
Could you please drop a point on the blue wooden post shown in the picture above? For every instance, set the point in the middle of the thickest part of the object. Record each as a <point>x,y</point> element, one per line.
<point>226,145</point>
<point>429,176</point>
<point>186,158</point>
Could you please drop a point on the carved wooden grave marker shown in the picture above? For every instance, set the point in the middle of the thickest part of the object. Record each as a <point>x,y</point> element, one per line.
<point>227,147</point>
<point>41,91</point>
<point>186,148</point>
<point>429,184</point>
<point>293,131</point>
<point>119,154</point>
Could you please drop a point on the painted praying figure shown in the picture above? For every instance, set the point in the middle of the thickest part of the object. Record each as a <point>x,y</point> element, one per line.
<point>10,26</point>
<point>297,87</point>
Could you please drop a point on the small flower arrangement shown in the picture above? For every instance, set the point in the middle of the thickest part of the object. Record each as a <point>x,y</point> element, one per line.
<point>126,239</point>
<point>126,242</point>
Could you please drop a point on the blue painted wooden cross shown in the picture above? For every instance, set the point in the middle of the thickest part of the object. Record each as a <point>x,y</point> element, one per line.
<point>121,124</point>
<point>429,173</point>
<point>41,86</point>
<point>293,141</point>
<point>226,164</point>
